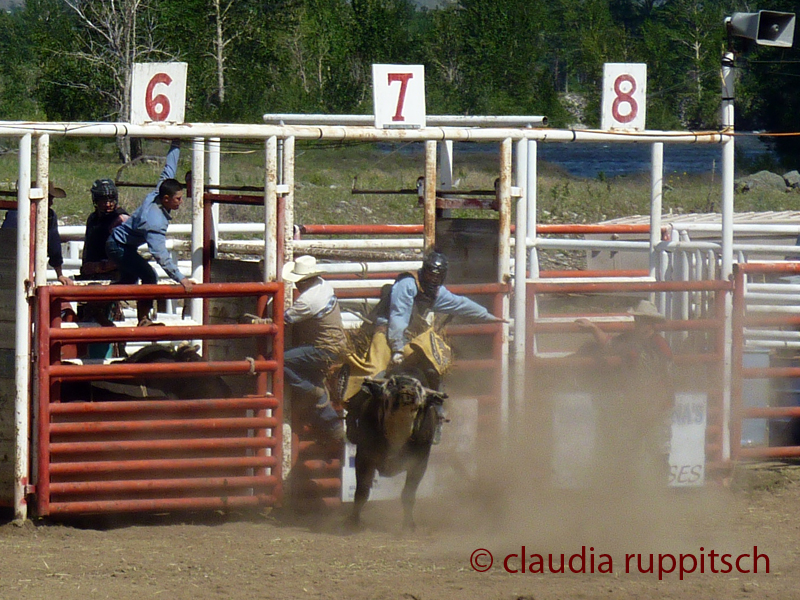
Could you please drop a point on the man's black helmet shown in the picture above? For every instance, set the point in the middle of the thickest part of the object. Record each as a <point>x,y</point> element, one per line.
<point>433,273</point>
<point>104,189</point>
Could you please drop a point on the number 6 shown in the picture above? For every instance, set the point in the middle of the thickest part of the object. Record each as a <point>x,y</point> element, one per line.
<point>157,107</point>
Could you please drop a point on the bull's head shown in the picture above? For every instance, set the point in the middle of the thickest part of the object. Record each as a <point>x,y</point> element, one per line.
<point>402,397</point>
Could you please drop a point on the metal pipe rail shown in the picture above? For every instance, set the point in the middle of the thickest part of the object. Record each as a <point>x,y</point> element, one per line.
<point>743,324</point>
<point>330,132</point>
<point>143,455</point>
<point>712,326</point>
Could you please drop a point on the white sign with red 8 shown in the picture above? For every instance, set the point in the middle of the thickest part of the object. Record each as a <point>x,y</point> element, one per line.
<point>624,96</point>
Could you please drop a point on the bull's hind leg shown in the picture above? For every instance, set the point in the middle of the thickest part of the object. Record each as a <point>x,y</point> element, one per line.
<point>416,472</point>
<point>365,472</point>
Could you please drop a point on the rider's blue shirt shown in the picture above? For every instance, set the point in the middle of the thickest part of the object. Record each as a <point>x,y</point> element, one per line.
<point>148,223</point>
<point>404,292</point>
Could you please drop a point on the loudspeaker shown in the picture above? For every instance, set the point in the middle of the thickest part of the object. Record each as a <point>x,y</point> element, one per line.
<point>766,27</point>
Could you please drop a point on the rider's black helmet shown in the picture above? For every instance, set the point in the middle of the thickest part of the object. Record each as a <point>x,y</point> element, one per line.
<point>104,189</point>
<point>433,273</point>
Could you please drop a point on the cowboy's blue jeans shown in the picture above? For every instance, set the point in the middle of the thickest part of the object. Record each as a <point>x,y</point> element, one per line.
<point>304,370</point>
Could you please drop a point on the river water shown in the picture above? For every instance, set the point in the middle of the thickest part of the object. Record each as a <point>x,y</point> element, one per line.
<point>592,160</point>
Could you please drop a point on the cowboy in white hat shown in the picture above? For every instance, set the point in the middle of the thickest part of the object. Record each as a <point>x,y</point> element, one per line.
<point>318,340</point>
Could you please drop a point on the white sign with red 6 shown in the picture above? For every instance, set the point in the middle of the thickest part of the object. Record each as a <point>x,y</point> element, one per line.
<point>398,94</point>
<point>158,93</point>
<point>624,96</point>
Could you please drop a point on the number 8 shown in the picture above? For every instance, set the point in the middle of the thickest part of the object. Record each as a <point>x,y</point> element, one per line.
<point>624,98</point>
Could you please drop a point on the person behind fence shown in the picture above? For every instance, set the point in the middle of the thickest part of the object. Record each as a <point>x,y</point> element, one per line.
<point>54,255</point>
<point>148,224</point>
<point>636,412</point>
<point>318,340</point>
<point>107,215</point>
<point>404,311</point>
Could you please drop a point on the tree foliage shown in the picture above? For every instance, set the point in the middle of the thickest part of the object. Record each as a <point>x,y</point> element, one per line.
<point>71,59</point>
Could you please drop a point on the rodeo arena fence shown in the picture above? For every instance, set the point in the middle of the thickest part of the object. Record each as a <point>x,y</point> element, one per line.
<point>77,448</point>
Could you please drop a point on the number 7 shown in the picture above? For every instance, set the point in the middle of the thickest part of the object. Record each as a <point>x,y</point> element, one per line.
<point>403,79</point>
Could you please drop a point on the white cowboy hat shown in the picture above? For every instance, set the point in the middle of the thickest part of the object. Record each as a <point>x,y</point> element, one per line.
<point>646,310</point>
<point>302,268</point>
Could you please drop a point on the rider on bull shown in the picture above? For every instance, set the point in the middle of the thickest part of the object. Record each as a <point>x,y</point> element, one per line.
<point>404,313</point>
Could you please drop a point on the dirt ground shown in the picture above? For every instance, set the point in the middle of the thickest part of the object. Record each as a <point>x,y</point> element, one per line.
<point>274,554</point>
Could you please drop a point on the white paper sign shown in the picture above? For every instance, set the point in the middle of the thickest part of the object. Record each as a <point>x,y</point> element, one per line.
<point>158,93</point>
<point>577,445</point>
<point>398,95</point>
<point>624,96</point>
<point>687,457</point>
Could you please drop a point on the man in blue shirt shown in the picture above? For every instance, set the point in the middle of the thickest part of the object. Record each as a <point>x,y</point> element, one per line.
<point>403,315</point>
<point>148,224</point>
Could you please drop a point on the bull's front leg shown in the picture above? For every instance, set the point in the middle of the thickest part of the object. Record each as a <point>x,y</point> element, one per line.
<point>365,473</point>
<point>416,472</point>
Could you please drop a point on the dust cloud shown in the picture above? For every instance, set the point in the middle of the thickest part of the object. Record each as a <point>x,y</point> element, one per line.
<point>576,471</point>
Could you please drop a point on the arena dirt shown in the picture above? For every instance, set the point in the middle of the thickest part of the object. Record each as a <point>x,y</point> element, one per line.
<point>276,555</point>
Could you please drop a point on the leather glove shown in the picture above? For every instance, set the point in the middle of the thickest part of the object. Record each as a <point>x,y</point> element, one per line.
<point>397,358</point>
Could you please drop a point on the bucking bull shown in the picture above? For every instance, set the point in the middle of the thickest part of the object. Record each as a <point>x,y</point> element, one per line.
<point>395,420</point>
<point>180,388</point>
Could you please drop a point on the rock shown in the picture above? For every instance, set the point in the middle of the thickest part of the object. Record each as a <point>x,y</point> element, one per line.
<point>763,180</point>
<point>792,179</point>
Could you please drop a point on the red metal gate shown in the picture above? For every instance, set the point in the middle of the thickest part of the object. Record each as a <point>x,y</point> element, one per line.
<point>146,455</point>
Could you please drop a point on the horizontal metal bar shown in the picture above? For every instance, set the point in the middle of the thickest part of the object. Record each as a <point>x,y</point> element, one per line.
<point>161,464</point>
<point>617,287</point>
<point>772,452</point>
<point>155,406</point>
<point>771,412</point>
<point>366,133</point>
<point>321,465</point>
<point>58,448</point>
<point>154,425</point>
<point>152,485</point>
<point>77,293</point>
<point>163,504</point>
<point>110,371</point>
<point>430,120</point>
<point>767,372</point>
<point>188,332</point>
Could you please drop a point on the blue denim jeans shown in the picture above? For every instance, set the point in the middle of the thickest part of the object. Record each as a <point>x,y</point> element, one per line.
<point>132,267</point>
<point>304,370</point>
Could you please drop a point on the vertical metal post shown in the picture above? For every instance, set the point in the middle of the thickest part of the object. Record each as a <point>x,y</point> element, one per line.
<point>43,183</point>
<point>532,189</point>
<point>429,223</point>
<point>520,277</point>
<point>288,204</point>
<point>504,269</point>
<point>22,332</point>
<point>271,211</point>
<point>727,239</point>
<point>198,189</point>
<point>656,198</point>
<point>446,169</point>
<point>213,183</point>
